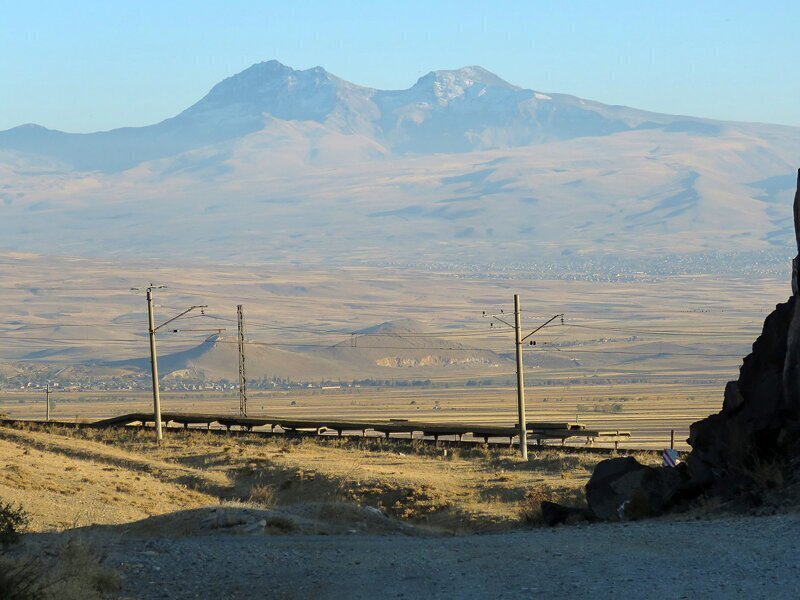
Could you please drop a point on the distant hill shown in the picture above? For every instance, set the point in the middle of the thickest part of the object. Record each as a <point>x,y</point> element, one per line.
<point>387,351</point>
<point>406,345</point>
<point>282,164</point>
<point>218,358</point>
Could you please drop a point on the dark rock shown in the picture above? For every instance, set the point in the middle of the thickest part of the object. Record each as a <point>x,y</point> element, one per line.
<point>622,488</point>
<point>755,409</point>
<point>738,455</point>
<point>601,492</point>
<point>761,409</point>
<point>557,514</point>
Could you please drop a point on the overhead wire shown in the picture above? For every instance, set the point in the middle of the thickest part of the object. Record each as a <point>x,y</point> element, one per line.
<point>662,332</point>
<point>22,341</point>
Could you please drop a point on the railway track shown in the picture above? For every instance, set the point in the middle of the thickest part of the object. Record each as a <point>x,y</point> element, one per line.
<point>539,433</point>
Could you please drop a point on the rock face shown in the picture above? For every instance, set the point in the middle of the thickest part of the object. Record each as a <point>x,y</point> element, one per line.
<point>752,442</point>
<point>756,410</point>
<point>761,409</point>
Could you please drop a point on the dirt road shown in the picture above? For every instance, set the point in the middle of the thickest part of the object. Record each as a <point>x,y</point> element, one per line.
<point>752,557</point>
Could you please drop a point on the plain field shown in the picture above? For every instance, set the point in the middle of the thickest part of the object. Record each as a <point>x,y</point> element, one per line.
<point>648,415</point>
<point>646,356</point>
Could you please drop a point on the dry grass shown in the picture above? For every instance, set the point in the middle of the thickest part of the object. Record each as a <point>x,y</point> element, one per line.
<point>75,571</point>
<point>530,511</point>
<point>65,482</point>
<point>765,474</point>
<point>262,495</point>
<point>119,476</point>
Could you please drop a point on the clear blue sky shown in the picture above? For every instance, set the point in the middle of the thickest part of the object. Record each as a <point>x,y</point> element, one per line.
<point>84,66</point>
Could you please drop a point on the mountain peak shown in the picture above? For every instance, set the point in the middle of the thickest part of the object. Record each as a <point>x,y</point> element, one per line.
<point>273,88</point>
<point>271,75</point>
<point>30,126</point>
<point>448,85</point>
<point>474,74</point>
<point>398,326</point>
<point>275,68</point>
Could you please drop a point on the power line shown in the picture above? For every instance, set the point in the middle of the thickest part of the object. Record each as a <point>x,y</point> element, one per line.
<point>361,333</point>
<point>693,333</point>
<point>599,351</point>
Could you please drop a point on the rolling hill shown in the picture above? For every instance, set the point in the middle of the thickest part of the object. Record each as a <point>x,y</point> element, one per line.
<point>401,349</point>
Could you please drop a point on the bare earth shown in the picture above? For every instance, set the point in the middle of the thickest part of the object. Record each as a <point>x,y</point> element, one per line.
<point>749,557</point>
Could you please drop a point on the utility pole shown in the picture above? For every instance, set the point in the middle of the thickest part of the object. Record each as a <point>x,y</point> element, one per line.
<point>47,394</point>
<point>154,366</point>
<point>242,370</point>
<point>153,357</point>
<point>523,427</point>
<point>519,339</point>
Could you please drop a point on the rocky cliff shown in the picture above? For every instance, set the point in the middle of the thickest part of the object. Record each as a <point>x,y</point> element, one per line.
<point>739,454</point>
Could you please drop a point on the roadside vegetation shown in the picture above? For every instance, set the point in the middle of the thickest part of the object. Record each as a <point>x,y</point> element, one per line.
<point>72,571</point>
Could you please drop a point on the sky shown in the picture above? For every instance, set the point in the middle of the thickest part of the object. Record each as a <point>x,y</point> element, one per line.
<point>86,66</point>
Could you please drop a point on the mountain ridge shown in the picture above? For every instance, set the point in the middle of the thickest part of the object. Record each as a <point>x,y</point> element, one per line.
<point>456,110</point>
<point>461,167</point>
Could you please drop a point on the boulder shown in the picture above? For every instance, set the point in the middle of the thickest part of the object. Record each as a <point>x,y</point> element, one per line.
<point>622,488</point>
<point>601,492</point>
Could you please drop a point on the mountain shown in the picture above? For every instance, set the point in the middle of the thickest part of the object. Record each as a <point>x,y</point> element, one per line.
<point>282,164</point>
<point>444,111</point>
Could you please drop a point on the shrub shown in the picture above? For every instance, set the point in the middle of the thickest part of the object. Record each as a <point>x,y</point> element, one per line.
<point>20,579</point>
<point>80,573</point>
<point>13,520</point>
<point>263,495</point>
<point>530,511</point>
<point>75,573</point>
<point>764,474</point>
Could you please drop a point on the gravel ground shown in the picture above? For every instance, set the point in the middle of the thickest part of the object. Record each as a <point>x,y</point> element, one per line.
<point>745,557</point>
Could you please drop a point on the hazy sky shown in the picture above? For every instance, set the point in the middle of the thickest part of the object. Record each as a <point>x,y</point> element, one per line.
<point>85,66</point>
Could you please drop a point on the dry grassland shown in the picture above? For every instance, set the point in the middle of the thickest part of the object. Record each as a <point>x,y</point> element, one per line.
<point>67,478</point>
<point>645,356</point>
<point>648,413</point>
<point>84,308</point>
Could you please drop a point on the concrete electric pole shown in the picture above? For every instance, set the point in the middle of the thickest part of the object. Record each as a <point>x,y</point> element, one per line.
<point>523,427</point>
<point>242,370</point>
<point>154,366</point>
<point>518,340</point>
<point>153,356</point>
